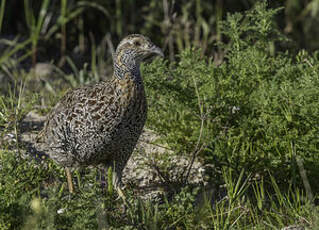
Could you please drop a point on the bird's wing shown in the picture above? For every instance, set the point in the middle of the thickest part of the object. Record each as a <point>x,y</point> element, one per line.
<point>88,107</point>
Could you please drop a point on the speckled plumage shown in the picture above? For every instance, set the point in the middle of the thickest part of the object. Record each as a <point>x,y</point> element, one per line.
<point>100,124</point>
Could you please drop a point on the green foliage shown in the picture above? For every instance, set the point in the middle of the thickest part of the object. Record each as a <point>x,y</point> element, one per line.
<point>259,110</point>
<point>32,196</point>
<point>35,24</point>
<point>20,180</point>
<point>181,212</point>
<point>12,110</point>
<point>67,25</point>
<point>3,4</point>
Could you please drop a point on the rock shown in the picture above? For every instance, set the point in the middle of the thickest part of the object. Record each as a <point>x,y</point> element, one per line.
<point>294,227</point>
<point>43,70</point>
<point>152,168</point>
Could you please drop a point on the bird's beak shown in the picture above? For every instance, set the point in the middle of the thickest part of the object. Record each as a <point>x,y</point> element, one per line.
<point>156,51</point>
<point>151,53</point>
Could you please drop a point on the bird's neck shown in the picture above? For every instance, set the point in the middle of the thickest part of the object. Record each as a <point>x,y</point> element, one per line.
<point>125,66</point>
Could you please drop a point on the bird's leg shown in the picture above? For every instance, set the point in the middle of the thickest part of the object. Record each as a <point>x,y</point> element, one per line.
<point>69,179</point>
<point>120,192</point>
<point>117,180</point>
<point>102,178</point>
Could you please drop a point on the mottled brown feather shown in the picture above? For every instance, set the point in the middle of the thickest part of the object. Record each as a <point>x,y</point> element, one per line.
<point>100,124</point>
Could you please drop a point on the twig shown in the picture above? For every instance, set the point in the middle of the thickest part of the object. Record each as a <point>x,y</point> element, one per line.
<point>303,173</point>
<point>169,19</point>
<point>195,153</point>
<point>161,146</point>
<point>197,149</point>
<point>110,43</point>
<point>165,178</point>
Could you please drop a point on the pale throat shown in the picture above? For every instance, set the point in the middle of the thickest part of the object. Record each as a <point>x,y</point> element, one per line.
<point>126,64</point>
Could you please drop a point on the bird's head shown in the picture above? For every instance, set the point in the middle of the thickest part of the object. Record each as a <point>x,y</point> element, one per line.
<point>137,48</point>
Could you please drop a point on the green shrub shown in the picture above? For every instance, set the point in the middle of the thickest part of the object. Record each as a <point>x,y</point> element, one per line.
<point>258,110</point>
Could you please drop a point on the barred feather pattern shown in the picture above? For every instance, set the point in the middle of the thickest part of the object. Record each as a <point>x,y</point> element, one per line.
<point>100,124</point>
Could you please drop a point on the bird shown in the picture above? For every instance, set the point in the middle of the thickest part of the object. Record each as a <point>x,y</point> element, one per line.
<point>100,124</point>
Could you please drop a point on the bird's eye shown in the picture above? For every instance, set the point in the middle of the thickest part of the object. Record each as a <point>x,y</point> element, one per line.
<point>137,43</point>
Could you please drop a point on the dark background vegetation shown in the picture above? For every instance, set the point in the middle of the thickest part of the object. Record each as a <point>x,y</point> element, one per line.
<point>174,24</point>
